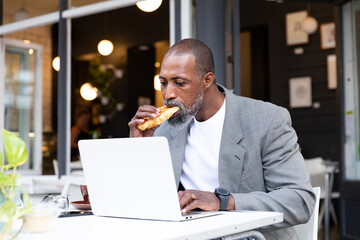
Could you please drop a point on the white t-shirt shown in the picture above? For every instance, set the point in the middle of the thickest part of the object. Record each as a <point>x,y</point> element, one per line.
<point>201,163</point>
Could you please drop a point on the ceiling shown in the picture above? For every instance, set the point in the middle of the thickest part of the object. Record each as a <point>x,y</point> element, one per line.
<point>46,6</point>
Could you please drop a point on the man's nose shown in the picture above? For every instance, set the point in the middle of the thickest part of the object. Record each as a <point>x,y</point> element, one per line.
<point>169,93</point>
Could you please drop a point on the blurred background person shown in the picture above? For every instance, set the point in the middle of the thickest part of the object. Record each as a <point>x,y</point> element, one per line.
<point>79,131</point>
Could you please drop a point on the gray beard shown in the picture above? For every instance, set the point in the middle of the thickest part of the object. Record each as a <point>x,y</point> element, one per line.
<point>186,114</point>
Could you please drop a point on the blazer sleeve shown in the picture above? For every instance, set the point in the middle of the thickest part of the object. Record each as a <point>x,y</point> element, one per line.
<point>286,179</point>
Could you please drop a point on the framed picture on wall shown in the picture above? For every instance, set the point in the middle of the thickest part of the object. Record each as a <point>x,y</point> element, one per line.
<point>327,35</point>
<point>331,71</point>
<point>300,92</point>
<point>294,33</point>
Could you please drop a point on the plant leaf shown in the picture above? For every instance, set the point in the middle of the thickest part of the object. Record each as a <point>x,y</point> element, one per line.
<point>1,160</point>
<point>7,211</point>
<point>15,149</point>
<point>27,203</point>
<point>8,180</point>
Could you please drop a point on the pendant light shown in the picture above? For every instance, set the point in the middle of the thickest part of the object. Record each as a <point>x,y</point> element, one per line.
<point>21,14</point>
<point>157,85</point>
<point>105,47</point>
<point>88,92</point>
<point>309,25</point>
<point>56,63</point>
<point>148,5</point>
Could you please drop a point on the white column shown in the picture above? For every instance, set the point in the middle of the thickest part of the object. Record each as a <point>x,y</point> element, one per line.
<point>186,19</point>
<point>68,95</point>
<point>172,22</point>
<point>38,107</point>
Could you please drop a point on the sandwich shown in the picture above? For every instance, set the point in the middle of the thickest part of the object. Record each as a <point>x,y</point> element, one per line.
<point>165,113</point>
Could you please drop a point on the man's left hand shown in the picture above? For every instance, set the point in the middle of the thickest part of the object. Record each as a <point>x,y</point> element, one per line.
<point>191,199</point>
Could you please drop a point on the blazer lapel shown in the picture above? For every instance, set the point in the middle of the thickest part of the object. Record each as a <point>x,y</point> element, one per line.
<point>177,146</point>
<point>231,157</point>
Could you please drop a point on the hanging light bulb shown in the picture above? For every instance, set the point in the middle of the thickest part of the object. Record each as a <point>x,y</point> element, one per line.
<point>56,63</point>
<point>88,92</point>
<point>309,25</point>
<point>157,84</point>
<point>148,5</point>
<point>105,47</point>
<point>21,14</point>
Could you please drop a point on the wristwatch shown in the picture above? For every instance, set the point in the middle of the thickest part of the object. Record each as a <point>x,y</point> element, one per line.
<point>223,194</point>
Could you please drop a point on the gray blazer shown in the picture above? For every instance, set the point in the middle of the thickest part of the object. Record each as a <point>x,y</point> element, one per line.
<point>259,162</point>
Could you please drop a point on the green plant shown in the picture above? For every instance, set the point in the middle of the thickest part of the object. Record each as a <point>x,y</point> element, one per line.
<point>16,155</point>
<point>100,77</point>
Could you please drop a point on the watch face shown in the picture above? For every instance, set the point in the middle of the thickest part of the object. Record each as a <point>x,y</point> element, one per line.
<point>222,191</point>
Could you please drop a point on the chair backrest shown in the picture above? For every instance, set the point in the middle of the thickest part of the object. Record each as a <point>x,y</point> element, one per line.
<point>72,190</point>
<point>56,167</point>
<point>317,170</point>
<point>75,167</point>
<point>47,184</point>
<point>309,230</point>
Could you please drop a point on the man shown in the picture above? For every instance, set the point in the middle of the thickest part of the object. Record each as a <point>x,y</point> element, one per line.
<point>79,131</point>
<point>217,139</point>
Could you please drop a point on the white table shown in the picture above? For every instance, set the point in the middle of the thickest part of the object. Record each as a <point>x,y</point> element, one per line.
<point>93,227</point>
<point>39,185</point>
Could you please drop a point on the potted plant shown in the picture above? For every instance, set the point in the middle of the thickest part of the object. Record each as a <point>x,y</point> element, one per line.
<point>100,78</point>
<point>10,210</point>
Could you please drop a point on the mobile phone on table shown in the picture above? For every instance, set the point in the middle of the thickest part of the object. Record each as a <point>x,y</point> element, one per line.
<point>74,214</point>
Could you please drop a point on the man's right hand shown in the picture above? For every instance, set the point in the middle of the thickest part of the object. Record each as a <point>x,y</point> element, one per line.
<point>145,111</point>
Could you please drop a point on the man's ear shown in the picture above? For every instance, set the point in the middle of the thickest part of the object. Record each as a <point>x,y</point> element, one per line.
<point>208,79</point>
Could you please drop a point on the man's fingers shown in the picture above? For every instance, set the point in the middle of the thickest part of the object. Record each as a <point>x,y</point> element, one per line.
<point>148,108</point>
<point>192,205</point>
<point>186,198</point>
<point>147,111</point>
<point>135,122</point>
<point>180,194</point>
<point>191,199</point>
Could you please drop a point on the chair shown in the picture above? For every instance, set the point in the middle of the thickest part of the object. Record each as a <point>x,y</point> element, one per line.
<point>75,168</point>
<point>72,190</point>
<point>56,167</point>
<point>251,235</point>
<point>46,184</point>
<point>321,175</point>
<point>309,230</point>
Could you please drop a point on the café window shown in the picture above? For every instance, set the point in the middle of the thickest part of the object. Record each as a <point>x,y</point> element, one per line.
<point>21,91</point>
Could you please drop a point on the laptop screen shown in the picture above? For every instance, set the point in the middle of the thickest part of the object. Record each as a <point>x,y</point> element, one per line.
<point>130,177</point>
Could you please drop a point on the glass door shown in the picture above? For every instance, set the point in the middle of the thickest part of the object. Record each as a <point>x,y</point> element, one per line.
<point>21,92</point>
<point>351,47</point>
<point>350,181</point>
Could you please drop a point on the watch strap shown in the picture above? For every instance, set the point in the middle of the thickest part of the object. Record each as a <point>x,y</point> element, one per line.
<point>224,200</point>
<point>224,196</point>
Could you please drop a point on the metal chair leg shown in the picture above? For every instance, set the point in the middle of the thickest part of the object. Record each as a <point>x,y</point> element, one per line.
<point>327,201</point>
<point>251,235</point>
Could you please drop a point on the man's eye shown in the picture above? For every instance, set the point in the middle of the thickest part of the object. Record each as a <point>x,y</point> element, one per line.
<point>180,84</point>
<point>163,83</point>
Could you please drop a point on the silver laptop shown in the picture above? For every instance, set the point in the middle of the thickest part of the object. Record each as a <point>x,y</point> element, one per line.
<point>132,178</point>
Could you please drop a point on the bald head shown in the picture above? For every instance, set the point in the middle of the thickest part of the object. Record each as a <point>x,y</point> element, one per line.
<point>204,60</point>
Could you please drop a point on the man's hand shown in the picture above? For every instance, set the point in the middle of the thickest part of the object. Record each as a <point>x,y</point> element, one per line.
<point>207,201</point>
<point>143,112</point>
